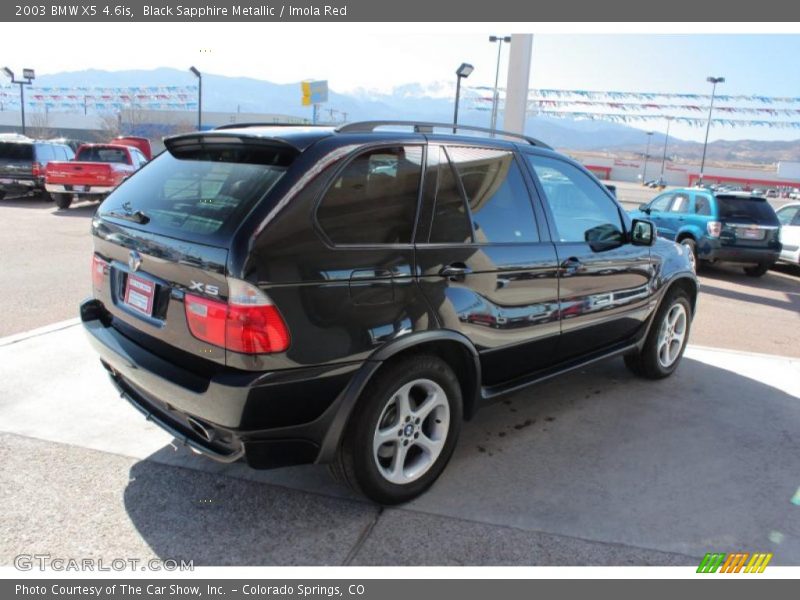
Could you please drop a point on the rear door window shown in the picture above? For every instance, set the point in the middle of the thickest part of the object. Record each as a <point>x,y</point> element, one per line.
<point>499,204</point>
<point>200,192</point>
<point>374,199</point>
<point>746,210</point>
<point>680,204</point>
<point>450,223</point>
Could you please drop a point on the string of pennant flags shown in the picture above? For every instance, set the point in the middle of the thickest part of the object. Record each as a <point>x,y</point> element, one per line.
<point>649,96</point>
<point>630,107</point>
<point>102,98</point>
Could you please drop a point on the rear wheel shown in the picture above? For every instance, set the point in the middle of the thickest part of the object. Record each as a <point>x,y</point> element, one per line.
<point>403,431</point>
<point>62,200</point>
<point>757,271</point>
<point>666,341</point>
<point>691,248</point>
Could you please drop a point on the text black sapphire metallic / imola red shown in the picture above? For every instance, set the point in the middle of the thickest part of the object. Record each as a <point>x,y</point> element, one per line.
<point>287,295</point>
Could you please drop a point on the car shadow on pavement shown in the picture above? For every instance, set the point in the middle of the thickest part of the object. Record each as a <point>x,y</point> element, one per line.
<point>32,202</point>
<point>87,209</point>
<point>627,469</point>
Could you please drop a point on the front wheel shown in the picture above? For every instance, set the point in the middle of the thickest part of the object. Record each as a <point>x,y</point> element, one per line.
<point>403,431</point>
<point>666,341</point>
<point>758,270</point>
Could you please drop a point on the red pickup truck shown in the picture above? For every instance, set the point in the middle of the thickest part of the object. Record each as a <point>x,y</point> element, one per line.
<point>94,172</point>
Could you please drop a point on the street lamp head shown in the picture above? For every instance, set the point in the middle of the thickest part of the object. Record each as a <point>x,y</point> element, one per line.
<point>507,39</point>
<point>28,74</point>
<point>493,38</point>
<point>196,72</point>
<point>465,70</point>
<point>8,72</point>
<point>715,80</point>
<point>497,38</point>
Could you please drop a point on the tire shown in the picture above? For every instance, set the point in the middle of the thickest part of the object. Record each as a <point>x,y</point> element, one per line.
<point>387,410</point>
<point>757,271</point>
<point>691,246</point>
<point>2,195</point>
<point>674,316</point>
<point>62,200</point>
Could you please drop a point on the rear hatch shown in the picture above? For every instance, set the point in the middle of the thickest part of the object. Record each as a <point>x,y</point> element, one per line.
<point>163,236</point>
<point>16,160</point>
<point>747,222</point>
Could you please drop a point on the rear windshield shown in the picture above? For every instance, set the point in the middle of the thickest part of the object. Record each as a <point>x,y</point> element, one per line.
<point>201,193</point>
<point>104,155</point>
<point>16,151</point>
<point>746,210</point>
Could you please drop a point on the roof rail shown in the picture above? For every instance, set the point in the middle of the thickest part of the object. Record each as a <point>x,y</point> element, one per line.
<point>425,127</point>
<point>246,125</point>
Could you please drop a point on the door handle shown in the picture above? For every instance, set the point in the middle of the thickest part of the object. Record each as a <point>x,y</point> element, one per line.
<point>571,266</point>
<point>455,270</point>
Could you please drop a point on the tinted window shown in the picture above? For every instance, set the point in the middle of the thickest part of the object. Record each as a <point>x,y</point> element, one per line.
<point>746,210</point>
<point>785,215</point>
<point>583,212</point>
<point>702,205</point>
<point>15,151</point>
<point>374,200</point>
<point>498,198</point>
<point>661,204</point>
<point>197,192</point>
<point>450,221</point>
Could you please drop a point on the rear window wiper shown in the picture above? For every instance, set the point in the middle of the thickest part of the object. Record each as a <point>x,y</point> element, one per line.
<point>136,216</point>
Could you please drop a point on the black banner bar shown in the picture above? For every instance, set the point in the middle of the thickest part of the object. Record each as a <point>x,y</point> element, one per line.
<point>450,11</point>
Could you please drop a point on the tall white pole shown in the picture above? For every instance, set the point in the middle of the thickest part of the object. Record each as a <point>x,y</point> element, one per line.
<point>519,70</point>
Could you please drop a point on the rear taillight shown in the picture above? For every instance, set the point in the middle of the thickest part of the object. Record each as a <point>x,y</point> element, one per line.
<point>248,323</point>
<point>99,271</point>
<point>714,228</point>
<point>37,170</point>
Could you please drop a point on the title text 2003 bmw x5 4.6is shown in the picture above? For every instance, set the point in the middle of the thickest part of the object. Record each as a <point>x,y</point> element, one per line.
<point>291,295</point>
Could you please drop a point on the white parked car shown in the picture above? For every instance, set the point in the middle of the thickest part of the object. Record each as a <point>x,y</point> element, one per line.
<point>789,217</point>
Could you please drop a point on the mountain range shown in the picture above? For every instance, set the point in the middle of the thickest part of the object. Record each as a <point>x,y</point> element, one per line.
<point>413,101</point>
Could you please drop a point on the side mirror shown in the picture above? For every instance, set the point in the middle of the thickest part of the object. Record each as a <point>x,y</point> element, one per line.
<point>644,208</point>
<point>643,233</point>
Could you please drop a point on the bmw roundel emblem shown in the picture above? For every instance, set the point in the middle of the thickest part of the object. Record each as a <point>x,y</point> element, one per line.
<point>134,260</point>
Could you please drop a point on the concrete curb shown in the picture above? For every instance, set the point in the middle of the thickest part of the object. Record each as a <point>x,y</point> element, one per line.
<point>19,337</point>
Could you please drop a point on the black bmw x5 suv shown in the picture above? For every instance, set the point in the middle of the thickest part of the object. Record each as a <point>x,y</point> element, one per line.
<point>289,295</point>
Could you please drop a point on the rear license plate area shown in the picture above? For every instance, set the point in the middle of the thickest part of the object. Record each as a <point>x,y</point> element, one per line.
<point>751,233</point>
<point>139,294</point>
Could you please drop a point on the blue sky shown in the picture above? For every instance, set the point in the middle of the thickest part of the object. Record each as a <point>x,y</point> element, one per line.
<point>351,58</point>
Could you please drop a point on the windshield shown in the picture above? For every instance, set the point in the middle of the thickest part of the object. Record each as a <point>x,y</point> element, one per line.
<point>746,210</point>
<point>202,192</point>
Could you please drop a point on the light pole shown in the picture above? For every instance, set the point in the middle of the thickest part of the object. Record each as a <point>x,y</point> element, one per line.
<point>646,156</point>
<point>713,81</point>
<point>199,97</point>
<point>462,72</point>
<point>28,76</point>
<point>496,97</point>
<point>664,156</point>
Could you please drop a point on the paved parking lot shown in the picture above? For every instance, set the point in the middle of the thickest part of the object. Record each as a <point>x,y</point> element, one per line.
<point>599,469</point>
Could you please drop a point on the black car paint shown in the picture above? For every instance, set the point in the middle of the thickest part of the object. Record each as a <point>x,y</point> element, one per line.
<point>351,308</point>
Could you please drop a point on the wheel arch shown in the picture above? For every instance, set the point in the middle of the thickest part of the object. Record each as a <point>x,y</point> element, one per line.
<point>451,346</point>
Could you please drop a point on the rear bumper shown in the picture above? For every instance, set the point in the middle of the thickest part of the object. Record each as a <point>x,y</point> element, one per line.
<point>58,188</point>
<point>18,186</point>
<point>713,250</point>
<point>229,414</point>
